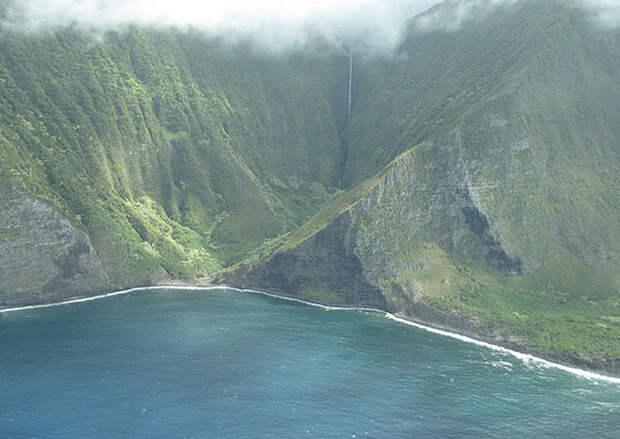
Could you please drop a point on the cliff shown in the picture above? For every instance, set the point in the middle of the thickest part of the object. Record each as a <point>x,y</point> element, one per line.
<point>474,184</point>
<point>503,221</point>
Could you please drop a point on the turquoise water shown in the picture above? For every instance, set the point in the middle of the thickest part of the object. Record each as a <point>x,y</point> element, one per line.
<point>223,364</point>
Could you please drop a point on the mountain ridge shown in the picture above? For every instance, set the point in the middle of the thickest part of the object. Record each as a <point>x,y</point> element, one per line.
<point>480,181</point>
<point>498,255</point>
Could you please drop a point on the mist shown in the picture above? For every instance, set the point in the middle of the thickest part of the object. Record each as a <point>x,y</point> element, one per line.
<point>607,11</point>
<point>274,25</point>
<point>377,26</point>
<point>452,15</point>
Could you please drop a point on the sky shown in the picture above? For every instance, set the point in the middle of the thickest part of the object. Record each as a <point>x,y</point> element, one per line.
<point>276,25</point>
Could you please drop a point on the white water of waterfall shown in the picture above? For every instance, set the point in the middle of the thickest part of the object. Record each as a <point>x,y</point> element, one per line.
<point>350,83</point>
<point>346,121</point>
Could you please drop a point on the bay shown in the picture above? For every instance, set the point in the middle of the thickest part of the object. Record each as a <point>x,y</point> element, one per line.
<point>225,364</point>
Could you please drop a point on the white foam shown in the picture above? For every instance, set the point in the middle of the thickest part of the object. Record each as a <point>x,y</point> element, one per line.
<point>317,305</point>
<point>115,293</point>
<point>526,358</point>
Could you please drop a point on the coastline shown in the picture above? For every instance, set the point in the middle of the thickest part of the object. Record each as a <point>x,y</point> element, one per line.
<point>522,356</point>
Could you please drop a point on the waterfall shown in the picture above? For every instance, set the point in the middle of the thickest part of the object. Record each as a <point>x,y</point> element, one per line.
<point>344,144</point>
<point>350,83</point>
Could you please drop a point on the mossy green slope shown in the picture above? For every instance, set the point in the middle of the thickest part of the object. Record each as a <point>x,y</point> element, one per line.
<point>169,150</point>
<point>481,165</point>
<point>504,221</point>
<point>438,76</point>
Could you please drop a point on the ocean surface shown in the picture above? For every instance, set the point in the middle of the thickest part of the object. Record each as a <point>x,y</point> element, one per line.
<point>225,364</point>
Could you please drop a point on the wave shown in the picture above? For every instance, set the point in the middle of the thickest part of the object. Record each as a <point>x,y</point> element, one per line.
<point>115,293</point>
<point>528,359</point>
<point>317,305</point>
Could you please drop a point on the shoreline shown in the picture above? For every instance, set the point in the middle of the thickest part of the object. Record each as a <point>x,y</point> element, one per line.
<point>524,357</point>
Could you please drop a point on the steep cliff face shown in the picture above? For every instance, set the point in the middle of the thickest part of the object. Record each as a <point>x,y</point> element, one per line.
<point>503,222</point>
<point>480,167</point>
<point>43,257</point>
<point>324,268</point>
<point>553,57</point>
<point>171,152</point>
<point>427,241</point>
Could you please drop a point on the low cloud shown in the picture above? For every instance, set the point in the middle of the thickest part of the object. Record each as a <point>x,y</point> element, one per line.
<point>606,11</point>
<point>452,15</point>
<point>277,25</point>
<point>376,25</point>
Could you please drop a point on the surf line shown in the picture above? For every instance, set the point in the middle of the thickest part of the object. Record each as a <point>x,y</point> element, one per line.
<point>115,293</point>
<point>526,358</point>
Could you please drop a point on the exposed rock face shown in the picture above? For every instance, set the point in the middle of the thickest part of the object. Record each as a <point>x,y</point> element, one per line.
<point>425,199</point>
<point>444,221</point>
<point>43,257</point>
<point>498,211</point>
<point>324,268</point>
<point>382,249</point>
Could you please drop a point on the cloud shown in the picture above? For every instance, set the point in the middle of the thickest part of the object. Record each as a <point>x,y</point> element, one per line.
<point>452,15</point>
<point>378,25</point>
<point>607,11</point>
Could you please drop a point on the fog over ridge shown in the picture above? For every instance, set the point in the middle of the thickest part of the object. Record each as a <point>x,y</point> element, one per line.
<point>275,25</point>
<point>271,24</point>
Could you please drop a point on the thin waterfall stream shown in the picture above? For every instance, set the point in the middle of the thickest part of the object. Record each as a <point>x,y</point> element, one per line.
<point>350,86</point>
<point>344,144</point>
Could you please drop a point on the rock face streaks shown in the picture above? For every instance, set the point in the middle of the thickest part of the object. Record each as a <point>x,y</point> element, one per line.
<point>324,268</point>
<point>377,252</point>
<point>43,257</point>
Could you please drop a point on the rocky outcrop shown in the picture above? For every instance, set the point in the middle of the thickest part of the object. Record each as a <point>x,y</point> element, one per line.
<point>442,223</point>
<point>43,257</point>
<point>178,158</point>
<point>324,268</point>
<point>382,249</point>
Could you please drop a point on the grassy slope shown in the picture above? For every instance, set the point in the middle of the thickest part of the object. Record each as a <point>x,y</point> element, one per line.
<point>170,150</point>
<point>567,215</point>
<point>536,118</point>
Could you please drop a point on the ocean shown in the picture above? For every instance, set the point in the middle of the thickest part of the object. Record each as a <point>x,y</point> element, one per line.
<point>227,364</point>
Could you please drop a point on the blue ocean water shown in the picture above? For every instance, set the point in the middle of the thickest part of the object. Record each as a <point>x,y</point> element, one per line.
<point>223,364</point>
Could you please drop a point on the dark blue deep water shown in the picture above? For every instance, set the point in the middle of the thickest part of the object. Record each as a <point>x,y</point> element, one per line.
<point>222,364</point>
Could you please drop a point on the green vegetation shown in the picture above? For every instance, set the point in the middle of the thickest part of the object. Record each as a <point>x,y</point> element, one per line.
<point>341,203</point>
<point>553,323</point>
<point>480,176</point>
<point>231,149</point>
<point>322,296</point>
<point>503,210</point>
<point>5,235</point>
